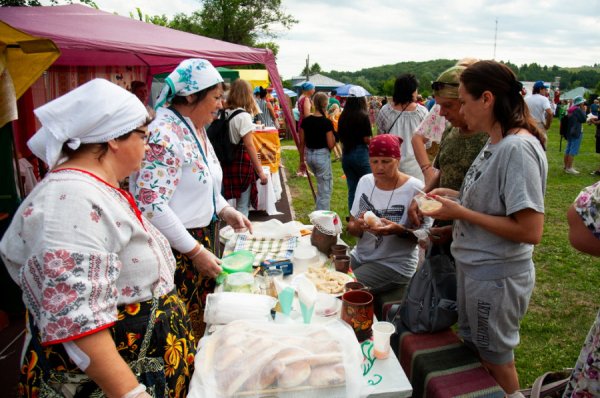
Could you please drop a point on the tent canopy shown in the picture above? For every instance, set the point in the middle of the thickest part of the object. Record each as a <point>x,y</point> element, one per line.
<point>25,56</point>
<point>321,82</point>
<point>256,77</point>
<point>227,74</point>
<point>90,37</point>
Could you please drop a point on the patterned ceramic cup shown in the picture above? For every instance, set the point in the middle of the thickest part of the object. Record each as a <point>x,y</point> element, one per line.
<point>357,311</point>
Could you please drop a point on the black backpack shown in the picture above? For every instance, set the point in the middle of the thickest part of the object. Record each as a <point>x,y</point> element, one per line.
<point>218,134</point>
<point>429,304</point>
<point>564,126</point>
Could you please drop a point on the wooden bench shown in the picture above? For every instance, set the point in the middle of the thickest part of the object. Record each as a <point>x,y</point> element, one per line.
<point>439,365</point>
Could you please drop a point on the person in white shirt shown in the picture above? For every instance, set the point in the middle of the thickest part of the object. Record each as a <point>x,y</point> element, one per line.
<point>97,277</point>
<point>179,184</point>
<point>539,106</point>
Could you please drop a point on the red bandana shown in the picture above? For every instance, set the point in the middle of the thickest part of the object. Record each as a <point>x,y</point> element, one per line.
<point>385,146</point>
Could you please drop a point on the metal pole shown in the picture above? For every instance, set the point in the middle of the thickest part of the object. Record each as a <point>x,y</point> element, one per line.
<point>495,39</point>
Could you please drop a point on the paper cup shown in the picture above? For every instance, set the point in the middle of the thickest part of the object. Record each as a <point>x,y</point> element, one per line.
<point>382,331</point>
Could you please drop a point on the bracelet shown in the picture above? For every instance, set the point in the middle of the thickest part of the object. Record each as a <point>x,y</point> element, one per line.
<point>425,167</point>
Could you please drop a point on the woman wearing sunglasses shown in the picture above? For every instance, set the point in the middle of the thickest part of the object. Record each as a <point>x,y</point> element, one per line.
<point>104,318</point>
<point>499,219</point>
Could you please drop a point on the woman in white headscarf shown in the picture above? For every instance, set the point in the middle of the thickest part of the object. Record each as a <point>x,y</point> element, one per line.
<point>97,277</point>
<point>179,184</point>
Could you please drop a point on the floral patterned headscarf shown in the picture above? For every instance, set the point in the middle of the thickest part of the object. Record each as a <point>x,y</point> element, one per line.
<point>190,76</point>
<point>587,206</point>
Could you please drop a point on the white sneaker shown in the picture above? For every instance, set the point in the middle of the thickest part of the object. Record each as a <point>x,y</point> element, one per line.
<point>571,171</point>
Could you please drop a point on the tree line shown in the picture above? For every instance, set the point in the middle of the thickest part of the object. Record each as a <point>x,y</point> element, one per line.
<point>379,80</point>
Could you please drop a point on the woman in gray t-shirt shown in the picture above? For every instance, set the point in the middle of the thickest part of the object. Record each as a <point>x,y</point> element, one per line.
<point>499,219</point>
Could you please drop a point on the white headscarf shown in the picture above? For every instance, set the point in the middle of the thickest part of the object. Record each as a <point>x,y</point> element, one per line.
<point>190,76</point>
<point>95,112</point>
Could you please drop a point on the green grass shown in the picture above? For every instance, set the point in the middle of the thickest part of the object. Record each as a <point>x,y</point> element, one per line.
<point>565,299</point>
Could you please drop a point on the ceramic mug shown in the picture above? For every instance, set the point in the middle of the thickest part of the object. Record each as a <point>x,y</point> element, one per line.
<point>357,311</point>
<point>353,286</point>
<point>341,263</point>
<point>339,250</point>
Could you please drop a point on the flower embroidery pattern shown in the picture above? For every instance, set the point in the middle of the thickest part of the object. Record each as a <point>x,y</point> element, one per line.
<point>96,213</point>
<point>63,328</point>
<point>57,263</point>
<point>56,299</point>
<point>28,211</point>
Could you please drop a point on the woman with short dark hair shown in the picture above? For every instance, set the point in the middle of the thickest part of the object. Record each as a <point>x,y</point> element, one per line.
<point>401,118</point>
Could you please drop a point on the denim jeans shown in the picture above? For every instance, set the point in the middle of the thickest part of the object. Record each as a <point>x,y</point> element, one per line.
<point>319,162</point>
<point>355,164</point>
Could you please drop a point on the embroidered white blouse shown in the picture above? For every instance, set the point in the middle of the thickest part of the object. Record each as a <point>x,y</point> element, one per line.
<point>78,250</point>
<point>175,186</point>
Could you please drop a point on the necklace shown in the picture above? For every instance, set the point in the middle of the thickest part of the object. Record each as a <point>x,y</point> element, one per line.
<point>391,195</point>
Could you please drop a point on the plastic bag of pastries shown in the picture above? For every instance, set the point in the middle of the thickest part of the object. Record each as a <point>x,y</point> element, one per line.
<point>253,359</point>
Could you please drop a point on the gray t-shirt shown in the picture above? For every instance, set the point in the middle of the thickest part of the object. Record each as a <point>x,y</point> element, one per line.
<point>391,251</point>
<point>504,178</point>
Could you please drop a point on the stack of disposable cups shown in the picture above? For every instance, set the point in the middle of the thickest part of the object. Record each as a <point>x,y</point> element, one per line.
<point>307,295</point>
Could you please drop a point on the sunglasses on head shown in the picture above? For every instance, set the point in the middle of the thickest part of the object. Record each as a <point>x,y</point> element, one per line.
<point>440,85</point>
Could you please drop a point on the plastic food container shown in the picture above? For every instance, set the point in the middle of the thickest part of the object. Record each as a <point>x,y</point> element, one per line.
<point>240,261</point>
<point>240,282</point>
<point>305,255</point>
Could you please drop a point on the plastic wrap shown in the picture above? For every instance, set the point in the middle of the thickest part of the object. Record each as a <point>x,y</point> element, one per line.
<point>225,307</point>
<point>256,359</point>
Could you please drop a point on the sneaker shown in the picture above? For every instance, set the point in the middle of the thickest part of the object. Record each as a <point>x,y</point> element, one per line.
<point>595,173</point>
<point>571,171</point>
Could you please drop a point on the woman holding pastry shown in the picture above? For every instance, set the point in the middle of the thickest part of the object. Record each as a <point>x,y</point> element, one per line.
<point>386,254</point>
<point>499,219</point>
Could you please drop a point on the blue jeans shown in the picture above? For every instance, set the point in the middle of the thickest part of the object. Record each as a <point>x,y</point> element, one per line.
<point>355,164</point>
<point>319,162</point>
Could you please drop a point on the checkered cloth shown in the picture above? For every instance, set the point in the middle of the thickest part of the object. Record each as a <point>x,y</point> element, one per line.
<point>266,249</point>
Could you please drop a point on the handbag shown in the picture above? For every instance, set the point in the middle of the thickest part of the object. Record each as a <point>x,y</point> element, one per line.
<point>549,385</point>
<point>429,303</point>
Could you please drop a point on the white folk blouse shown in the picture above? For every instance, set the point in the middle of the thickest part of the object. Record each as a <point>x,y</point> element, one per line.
<point>78,249</point>
<point>178,187</point>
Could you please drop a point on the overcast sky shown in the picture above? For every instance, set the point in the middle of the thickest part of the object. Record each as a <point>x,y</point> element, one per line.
<point>348,35</point>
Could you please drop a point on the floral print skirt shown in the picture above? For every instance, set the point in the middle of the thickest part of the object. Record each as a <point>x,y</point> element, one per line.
<point>585,378</point>
<point>154,337</point>
<point>191,286</point>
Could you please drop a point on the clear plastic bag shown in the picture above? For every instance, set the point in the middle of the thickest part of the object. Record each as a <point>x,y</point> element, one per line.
<point>224,307</point>
<point>255,359</point>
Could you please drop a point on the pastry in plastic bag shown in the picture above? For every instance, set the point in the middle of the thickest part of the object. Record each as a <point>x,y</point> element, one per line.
<point>253,358</point>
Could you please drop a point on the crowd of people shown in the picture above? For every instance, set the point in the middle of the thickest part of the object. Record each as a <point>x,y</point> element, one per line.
<point>115,280</point>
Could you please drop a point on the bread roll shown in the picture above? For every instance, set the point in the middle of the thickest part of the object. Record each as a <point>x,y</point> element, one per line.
<point>294,374</point>
<point>265,378</point>
<point>327,375</point>
<point>228,356</point>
